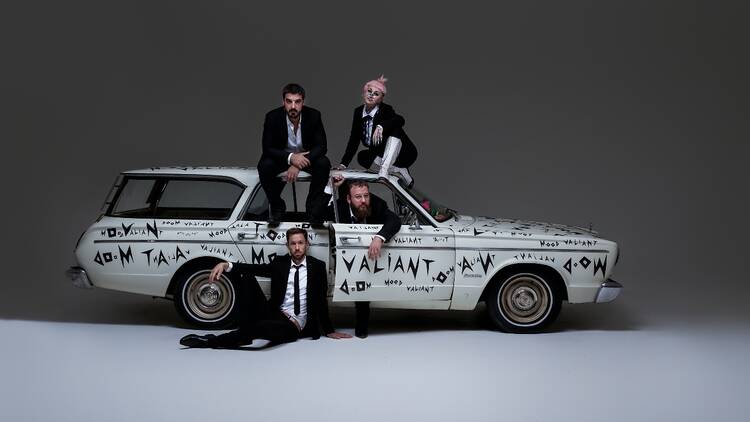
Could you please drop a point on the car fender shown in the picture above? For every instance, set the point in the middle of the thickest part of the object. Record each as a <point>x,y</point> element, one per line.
<point>469,290</point>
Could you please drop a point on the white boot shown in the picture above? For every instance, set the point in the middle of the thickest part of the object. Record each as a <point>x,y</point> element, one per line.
<point>392,148</point>
<point>377,163</point>
<point>404,173</point>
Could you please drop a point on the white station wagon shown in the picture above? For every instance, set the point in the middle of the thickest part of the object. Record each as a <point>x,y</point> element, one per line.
<point>163,229</point>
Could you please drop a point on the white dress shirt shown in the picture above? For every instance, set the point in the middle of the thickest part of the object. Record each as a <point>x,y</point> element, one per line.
<point>287,306</point>
<point>293,139</point>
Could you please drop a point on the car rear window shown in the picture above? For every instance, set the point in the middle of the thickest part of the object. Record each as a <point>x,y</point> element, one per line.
<point>132,200</point>
<point>182,198</point>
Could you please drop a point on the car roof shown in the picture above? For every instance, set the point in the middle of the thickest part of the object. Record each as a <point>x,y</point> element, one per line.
<point>245,175</point>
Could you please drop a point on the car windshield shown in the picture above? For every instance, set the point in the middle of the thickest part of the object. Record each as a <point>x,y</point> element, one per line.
<point>438,211</point>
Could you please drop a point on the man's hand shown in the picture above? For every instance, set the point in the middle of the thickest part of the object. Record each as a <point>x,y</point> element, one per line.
<point>338,336</point>
<point>299,160</point>
<point>377,135</point>
<point>338,180</point>
<point>340,167</point>
<point>291,174</point>
<point>374,251</point>
<point>218,270</point>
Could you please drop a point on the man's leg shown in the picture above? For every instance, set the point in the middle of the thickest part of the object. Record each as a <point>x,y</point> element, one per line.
<point>319,170</point>
<point>366,157</point>
<point>268,169</point>
<point>253,308</point>
<point>275,328</point>
<point>362,318</point>
<point>392,148</point>
<point>253,305</point>
<point>407,156</point>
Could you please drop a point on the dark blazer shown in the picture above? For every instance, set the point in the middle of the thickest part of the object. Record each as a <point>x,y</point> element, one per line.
<point>317,289</point>
<point>392,123</point>
<point>380,215</point>
<point>275,134</point>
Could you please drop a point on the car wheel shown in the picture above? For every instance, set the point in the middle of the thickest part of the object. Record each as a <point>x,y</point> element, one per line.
<point>204,303</point>
<point>523,303</point>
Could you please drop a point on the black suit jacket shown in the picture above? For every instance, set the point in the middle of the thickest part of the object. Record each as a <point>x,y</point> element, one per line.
<point>275,134</point>
<point>380,215</point>
<point>392,123</point>
<point>317,289</point>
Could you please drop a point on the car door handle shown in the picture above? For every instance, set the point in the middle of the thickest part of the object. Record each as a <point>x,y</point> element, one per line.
<point>350,239</point>
<point>244,236</point>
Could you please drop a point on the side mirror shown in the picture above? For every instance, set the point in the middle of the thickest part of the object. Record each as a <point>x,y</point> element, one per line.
<point>413,221</point>
<point>403,210</point>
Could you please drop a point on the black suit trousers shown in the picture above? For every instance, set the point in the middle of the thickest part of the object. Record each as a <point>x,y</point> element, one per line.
<point>269,168</point>
<point>258,321</point>
<point>362,315</point>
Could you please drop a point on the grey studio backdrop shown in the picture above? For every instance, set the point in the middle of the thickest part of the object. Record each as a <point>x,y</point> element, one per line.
<point>630,116</point>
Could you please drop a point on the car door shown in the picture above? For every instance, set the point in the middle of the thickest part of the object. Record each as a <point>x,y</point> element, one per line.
<point>417,264</point>
<point>260,243</point>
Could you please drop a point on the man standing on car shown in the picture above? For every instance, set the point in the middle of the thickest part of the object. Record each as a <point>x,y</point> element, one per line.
<point>298,304</point>
<point>293,139</point>
<point>357,205</point>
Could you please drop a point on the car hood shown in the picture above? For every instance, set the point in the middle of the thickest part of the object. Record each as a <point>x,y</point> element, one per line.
<point>502,227</point>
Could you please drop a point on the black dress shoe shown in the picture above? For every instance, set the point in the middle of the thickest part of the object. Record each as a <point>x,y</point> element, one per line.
<point>360,332</point>
<point>275,217</point>
<point>317,226</point>
<point>274,220</point>
<point>196,341</point>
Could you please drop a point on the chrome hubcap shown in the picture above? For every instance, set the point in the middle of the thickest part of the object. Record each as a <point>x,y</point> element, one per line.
<point>524,299</point>
<point>209,295</point>
<point>207,300</point>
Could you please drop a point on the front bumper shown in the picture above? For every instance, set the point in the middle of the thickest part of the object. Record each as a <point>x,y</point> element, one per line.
<point>608,291</point>
<point>79,277</point>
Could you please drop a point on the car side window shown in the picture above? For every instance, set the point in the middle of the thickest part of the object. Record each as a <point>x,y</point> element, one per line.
<point>184,198</point>
<point>198,199</point>
<point>134,198</point>
<point>257,210</point>
<point>294,196</point>
<point>395,202</point>
<point>383,192</point>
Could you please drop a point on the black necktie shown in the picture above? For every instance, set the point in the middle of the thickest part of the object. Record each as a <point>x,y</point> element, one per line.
<point>365,132</point>
<point>296,289</point>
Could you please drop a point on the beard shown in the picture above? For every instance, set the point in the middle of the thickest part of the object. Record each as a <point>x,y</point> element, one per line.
<point>362,212</point>
<point>292,114</point>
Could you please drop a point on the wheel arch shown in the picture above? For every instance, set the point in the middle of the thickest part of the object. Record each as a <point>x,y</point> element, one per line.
<point>551,273</point>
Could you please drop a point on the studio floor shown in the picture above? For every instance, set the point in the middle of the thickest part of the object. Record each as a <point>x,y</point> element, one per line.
<point>600,362</point>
